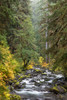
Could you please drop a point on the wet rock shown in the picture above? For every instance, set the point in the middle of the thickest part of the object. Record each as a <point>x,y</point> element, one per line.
<point>11,88</point>
<point>53,90</point>
<point>59,82</point>
<point>37,84</point>
<point>61,89</point>
<point>10,83</point>
<point>47,79</point>
<point>32,80</point>
<point>23,84</point>
<point>38,71</point>
<point>15,97</point>
<point>17,85</point>
<point>44,74</point>
<point>65,85</point>
<point>55,81</point>
<point>18,76</point>
<point>41,80</point>
<point>22,78</point>
<point>58,89</point>
<point>49,84</point>
<point>61,96</point>
<point>65,79</point>
<point>50,75</point>
<point>48,99</point>
<point>29,71</point>
<point>64,97</point>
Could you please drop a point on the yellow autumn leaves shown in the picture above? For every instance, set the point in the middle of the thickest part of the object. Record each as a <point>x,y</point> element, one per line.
<point>7,66</point>
<point>42,62</point>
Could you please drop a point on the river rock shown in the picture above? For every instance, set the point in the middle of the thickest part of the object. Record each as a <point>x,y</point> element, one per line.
<point>47,79</point>
<point>11,88</point>
<point>61,89</point>
<point>10,83</point>
<point>32,80</point>
<point>48,99</point>
<point>17,85</point>
<point>58,89</point>
<point>37,84</point>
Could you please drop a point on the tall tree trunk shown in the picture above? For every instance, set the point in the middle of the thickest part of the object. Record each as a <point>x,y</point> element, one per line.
<point>26,63</point>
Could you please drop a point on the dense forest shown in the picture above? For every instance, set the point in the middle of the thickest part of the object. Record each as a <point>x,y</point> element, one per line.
<point>32,33</point>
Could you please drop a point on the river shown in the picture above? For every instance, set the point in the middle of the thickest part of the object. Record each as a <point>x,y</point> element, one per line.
<point>36,86</point>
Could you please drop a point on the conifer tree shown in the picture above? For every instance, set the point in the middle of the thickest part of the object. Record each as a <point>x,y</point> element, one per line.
<point>57,33</point>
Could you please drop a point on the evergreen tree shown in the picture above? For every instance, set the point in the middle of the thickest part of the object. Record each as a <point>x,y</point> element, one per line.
<point>57,33</point>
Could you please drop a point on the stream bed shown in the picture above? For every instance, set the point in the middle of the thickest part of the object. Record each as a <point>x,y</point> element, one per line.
<point>37,85</point>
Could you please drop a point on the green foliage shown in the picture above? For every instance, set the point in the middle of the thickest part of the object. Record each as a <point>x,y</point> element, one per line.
<point>7,66</point>
<point>57,34</point>
<point>17,42</point>
<point>53,32</point>
<point>26,46</point>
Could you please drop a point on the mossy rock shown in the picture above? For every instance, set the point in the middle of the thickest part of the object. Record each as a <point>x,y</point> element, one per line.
<point>54,90</point>
<point>58,89</point>
<point>63,90</point>
<point>38,70</point>
<point>37,84</point>
<point>17,83</point>
<point>24,76</point>
<point>65,86</point>
<point>11,88</point>
<point>27,75</point>
<point>15,97</point>
<point>47,79</point>
<point>44,73</point>
<point>23,85</point>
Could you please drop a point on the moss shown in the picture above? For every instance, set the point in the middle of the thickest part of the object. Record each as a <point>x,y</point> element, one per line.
<point>58,89</point>
<point>44,73</point>
<point>24,76</point>
<point>28,75</point>
<point>38,70</point>
<point>21,77</point>
<point>65,86</point>
<point>17,83</point>
<point>55,88</point>
<point>65,90</point>
<point>14,81</point>
<point>15,97</point>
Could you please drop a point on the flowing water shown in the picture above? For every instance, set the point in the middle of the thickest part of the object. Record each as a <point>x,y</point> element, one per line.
<point>37,85</point>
